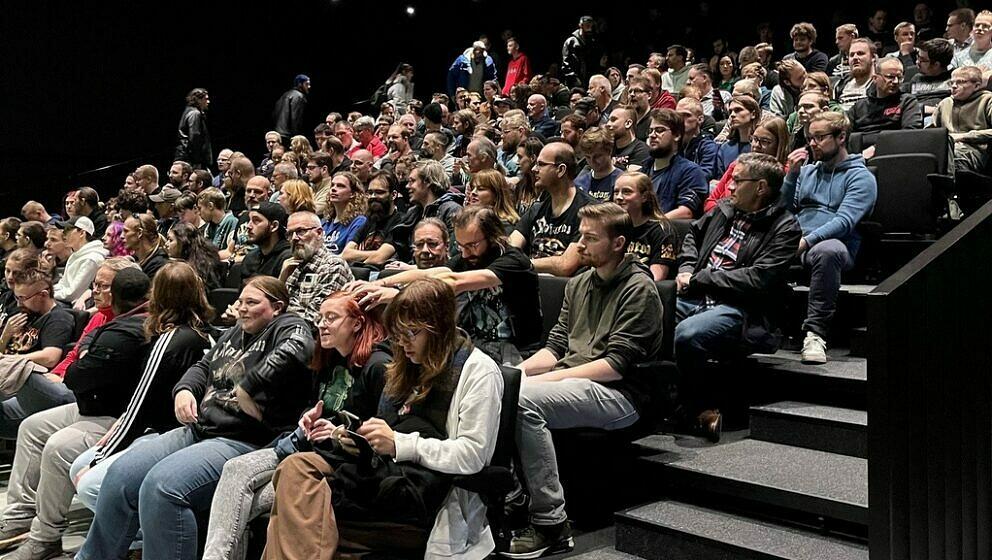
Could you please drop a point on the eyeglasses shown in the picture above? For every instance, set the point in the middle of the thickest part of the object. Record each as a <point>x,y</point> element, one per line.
<point>101,287</point>
<point>470,246</point>
<point>431,244</point>
<point>892,77</point>
<point>660,130</point>
<point>539,164</point>
<point>408,334</point>
<point>22,299</point>
<point>637,91</point>
<point>745,179</point>
<point>819,138</point>
<point>763,142</point>
<point>300,232</point>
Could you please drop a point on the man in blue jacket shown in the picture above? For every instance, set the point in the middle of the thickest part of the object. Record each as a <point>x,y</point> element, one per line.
<point>829,198</point>
<point>471,69</point>
<point>679,183</point>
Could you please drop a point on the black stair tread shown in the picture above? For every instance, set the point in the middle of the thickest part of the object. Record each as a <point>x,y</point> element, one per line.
<point>825,476</point>
<point>826,414</point>
<point>743,532</point>
<point>853,289</point>
<point>840,365</point>
<point>605,553</point>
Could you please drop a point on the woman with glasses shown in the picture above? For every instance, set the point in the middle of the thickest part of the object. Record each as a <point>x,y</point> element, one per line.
<point>249,388</point>
<point>770,137</point>
<point>350,369</point>
<point>438,418</point>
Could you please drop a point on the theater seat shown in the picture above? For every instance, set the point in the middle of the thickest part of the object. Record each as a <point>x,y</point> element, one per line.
<point>552,290</point>
<point>666,290</point>
<point>930,141</point>
<point>681,230</point>
<point>80,319</point>
<point>233,278</point>
<point>906,201</point>
<point>360,272</point>
<point>220,299</point>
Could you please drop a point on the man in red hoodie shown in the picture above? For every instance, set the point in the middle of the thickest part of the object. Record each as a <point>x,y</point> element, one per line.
<point>518,70</point>
<point>659,98</point>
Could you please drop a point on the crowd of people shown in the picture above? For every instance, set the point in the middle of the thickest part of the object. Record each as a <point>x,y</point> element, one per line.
<point>387,266</point>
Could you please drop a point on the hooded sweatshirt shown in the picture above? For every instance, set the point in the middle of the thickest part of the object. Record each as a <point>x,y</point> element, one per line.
<point>80,270</point>
<point>271,366</point>
<point>829,202</point>
<point>972,117</point>
<point>617,319</point>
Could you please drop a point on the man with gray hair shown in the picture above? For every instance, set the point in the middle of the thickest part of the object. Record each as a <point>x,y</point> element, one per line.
<point>365,134</point>
<point>601,90</point>
<point>540,121</point>
<point>480,154</point>
<point>886,106</point>
<point>313,272</point>
<point>430,197</point>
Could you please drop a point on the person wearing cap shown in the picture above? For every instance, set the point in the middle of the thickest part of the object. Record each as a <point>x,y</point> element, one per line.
<point>88,254</point>
<point>587,109</point>
<point>471,69</point>
<point>267,232</point>
<point>290,108</point>
<point>518,69</point>
<point>580,54</point>
<point>165,207</point>
<point>88,204</point>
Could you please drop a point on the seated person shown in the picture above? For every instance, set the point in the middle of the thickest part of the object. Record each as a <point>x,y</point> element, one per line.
<point>267,232</point>
<point>249,388</point>
<point>697,146</point>
<point>351,371</point>
<point>584,377</point>
<point>829,198</point>
<point>18,261</point>
<point>744,118</point>
<point>733,265</point>
<point>597,180</point>
<point>438,416</point>
<point>680,184</point>
<point>258,189</point>
<point>345,211</point>
<point>430,246</point>
<point>142,239</point>
<point>177,323</point>
<point>933,82</point>
<point>548,230</point>
<point>771,138</point>
<point>886,107</point>
<point>653,240</point>
<point>221,223</point>
<point>38,333</point>
<point>80,268</point>
<point>502,308</point>
<point>967,116</point>
<point>313,272</point>
<point>490,189</point>
<point>430,197</point>
<point>374,243</point>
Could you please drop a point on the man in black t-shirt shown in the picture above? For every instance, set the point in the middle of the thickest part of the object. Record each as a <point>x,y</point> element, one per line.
<point>496,283</point>
<point>628,149</point>
<point>374,243</point>
<point>548,230</point>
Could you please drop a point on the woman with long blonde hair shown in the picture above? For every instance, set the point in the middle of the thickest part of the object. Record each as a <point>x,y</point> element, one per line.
<point>346,207</point>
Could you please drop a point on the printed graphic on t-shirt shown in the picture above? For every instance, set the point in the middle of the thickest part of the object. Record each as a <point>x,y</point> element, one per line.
<point>23,342</point>
<point>485,316</point>
<point>334,392</point>
<point>548,239</point>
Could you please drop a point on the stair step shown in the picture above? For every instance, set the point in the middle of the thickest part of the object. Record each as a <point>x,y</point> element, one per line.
<point>793,479</point>
<point>842,381</point>
<point>672,530</point>
<point>605,553</point>
<point>825,428</point>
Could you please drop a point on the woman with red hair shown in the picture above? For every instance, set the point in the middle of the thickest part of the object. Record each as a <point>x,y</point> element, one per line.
<point>350,368</point>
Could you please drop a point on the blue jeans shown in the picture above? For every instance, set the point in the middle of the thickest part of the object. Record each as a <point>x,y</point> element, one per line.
<point>163,482</point>
<point>88,487</point>
<point>825,262</point>
<point>37,394</point>
<point>703,334</point>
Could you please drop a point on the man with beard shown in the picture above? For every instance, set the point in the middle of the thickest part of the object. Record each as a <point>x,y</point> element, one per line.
<point>549,230</point>
<point>430,197</point>
<point>829,198</point>
<point>679,183</point>
<point>502,311</point>
<point>435,147</point>
<point>627,149</point>
<point>267,232</point>
<point>256,191</point>
<point>398,142</point>
<point>861,59</point>
<point>374,243</point>
<point>235,180</point>
<point>584,376</point>
<point>179,174</point>
<point>313,272</point>
<point>319,174</point>
<point>194,138</point>
<point>886,107</point>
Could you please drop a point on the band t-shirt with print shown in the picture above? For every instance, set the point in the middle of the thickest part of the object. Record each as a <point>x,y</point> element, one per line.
<point>547,235</point>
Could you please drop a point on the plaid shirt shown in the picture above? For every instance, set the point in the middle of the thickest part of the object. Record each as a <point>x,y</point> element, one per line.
<point>724,255</point>
<point>314,280</point>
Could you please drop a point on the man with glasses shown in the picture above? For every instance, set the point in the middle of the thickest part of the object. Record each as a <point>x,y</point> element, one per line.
<point>679,183</point>
<point>933,82</point>
<point>502,310</point>
<point>967,115</point>
<point>958,30</point>
<point>549,229</point>
<point>313,272</point>
<point>733,267</point>
<point>980,52</point>
<point>886,106</point>
<point>829,198</point>
<point>639,95</point>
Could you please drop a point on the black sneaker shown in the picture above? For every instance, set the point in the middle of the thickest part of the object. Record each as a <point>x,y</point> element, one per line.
<point>516,513</point>
<point>537,541</point>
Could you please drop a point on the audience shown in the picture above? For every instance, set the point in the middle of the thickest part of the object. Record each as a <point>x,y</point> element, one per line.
<point>186,243</point>
<point>345,211</point>
<point>653,240</point>
<point>886,106</point>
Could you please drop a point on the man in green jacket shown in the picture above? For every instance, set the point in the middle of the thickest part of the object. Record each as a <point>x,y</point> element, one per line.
<point>584,376</point>
<point>967,116</point>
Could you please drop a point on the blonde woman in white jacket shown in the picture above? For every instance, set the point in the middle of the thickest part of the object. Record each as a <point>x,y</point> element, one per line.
<point>442,396</point>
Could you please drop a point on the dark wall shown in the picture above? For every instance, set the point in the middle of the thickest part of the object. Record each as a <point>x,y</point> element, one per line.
<point>94,84</point>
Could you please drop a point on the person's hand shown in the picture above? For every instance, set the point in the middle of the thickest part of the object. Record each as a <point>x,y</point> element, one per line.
<point>906,48</point>
<point>311,416</point>
<point>247,404</point>
<point>796,159</point>
<point>53,378</point>
<point>803,246</point>
<point>372,296</point>
<point>110,433</point>
<point>186,409</point>
<point>397,265</point>
<point>80,304</point>
<point>355,286</point>
<point>14,326</point>
<point>868,152</point>
<point>321,430</point>
<point>380,436</point>
<point>682,281</point>
<point>341,434</point>
<point>288,266</point>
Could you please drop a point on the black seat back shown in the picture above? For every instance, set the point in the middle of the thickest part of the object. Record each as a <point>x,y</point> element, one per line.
<point>80,318</point>
<point>933,141</point>
<point>506,446</point>
<point>552,290</point>
<point>681,228</point>
<point>220,299</point>
<point>906,202</point>
<point>666,290</point>
<point>233,278</point>
<point>361,272</point>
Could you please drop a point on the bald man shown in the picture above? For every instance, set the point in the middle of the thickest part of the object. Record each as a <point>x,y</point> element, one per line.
<point>33,211</point>
<point>549,229</point>
<point>540,121</point>
<point>238,174</point>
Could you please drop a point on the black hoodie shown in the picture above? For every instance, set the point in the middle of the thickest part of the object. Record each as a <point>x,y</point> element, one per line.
<point>271,366</point>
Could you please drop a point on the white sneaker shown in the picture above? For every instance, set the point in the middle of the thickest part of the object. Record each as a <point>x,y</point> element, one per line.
<point>814,349</point>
